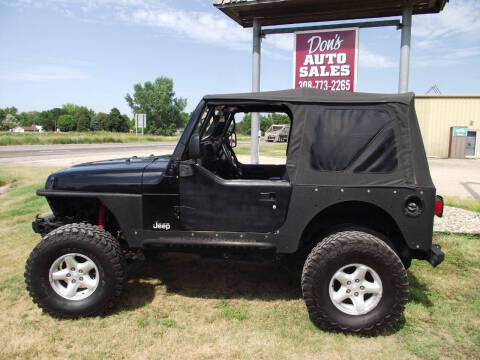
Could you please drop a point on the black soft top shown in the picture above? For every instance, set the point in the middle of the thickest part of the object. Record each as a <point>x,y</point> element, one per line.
<point>347,139</point>
<point>309,95</point>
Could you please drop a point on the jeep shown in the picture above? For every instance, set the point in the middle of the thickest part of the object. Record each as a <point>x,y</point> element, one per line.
<point>354,202</point>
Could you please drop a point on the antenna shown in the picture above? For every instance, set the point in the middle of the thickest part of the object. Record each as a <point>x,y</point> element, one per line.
<point>435,89</point>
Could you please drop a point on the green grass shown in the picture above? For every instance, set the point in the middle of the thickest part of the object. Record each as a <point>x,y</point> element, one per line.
<point>277,150</point>
<point>232,312</point>
<point>6,179</point>
<point>7,138</point>
<point>467,204</point>
<point>185,307</point>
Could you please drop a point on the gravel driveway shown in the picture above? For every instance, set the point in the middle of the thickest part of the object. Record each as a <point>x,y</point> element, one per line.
<point>458,221</point>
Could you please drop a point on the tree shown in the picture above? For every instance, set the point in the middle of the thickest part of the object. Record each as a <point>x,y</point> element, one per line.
<point>157,100</point>
<point>29,118</point>
<point>117,122</point>
<point>49,118</point>
<point>185,117</point>
<point>102,119</point>
<point>67,122</point>
<point>126,125</point>
<point>95,124</point>
<point>69,108</point>
<point>82,115</point>
<point>9,122</point>
<point>8,110</point>
<point>8,118</point>
<point>266,121</point>
<point>244,126</point>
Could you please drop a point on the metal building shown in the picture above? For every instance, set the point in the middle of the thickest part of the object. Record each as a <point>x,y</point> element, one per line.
<point>442,116</point>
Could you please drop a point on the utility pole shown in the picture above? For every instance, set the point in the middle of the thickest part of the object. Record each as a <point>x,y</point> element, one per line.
<point>255,88</point>
<point>405,49</point>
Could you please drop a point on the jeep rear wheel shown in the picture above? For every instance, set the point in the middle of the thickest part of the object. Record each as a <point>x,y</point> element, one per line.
<point>354,282</point>
<point>76,270</point>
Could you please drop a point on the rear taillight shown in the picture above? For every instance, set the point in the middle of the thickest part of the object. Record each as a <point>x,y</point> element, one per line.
<point>438,206</point>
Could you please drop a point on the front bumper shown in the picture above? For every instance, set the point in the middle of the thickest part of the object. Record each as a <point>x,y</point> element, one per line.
<point>435,255</point>
<point>46,224</point>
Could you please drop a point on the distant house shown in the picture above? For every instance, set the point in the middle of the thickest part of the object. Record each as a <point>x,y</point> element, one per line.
<point>17,129</point>
<point>32,128</point>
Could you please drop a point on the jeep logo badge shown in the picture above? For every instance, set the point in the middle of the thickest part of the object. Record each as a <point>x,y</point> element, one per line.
<point>161,226</point>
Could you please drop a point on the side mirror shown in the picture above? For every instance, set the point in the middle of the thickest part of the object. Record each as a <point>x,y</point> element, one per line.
<point>194,146</point>
<point>233,140</point>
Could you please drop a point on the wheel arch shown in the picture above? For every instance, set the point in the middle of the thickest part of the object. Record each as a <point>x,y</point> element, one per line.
<point>122,213</point>
<point>361,215</point>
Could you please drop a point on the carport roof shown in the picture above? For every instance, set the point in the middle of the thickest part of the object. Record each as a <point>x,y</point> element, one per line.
<point>278,12</point>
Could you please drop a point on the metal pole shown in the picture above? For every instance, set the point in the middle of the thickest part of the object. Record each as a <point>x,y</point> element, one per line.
<point>255,87</point>
<point>405,49</point>
<point>143,122</point>
<point>136,124</point>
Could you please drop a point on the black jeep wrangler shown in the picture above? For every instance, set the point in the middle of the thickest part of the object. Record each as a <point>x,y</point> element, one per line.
<point>354,201</point>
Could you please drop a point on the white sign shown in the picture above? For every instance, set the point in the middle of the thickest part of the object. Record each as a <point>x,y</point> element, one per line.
<point>140,121</point>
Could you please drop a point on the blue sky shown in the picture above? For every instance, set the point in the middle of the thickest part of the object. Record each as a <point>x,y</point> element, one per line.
<point>92,52</point>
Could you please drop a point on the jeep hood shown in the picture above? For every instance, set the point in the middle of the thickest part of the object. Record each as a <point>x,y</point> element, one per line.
<point>118,175</point>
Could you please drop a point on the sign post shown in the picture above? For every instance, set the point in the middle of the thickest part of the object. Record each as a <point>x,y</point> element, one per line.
<point>140,122</point>
<point>326,59</point>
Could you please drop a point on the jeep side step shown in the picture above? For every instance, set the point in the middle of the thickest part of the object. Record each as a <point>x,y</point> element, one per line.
<point>208,239</point>
<point>176,242</point>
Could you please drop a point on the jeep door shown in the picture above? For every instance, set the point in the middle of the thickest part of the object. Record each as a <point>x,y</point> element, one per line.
<point>211,200</point>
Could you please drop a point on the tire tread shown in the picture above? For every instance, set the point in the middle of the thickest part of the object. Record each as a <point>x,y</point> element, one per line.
<point>330,248</point>
<point>103,241</point>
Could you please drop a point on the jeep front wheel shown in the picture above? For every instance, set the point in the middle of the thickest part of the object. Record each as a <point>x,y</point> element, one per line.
<point>354,282</point>
<point>76,270</point>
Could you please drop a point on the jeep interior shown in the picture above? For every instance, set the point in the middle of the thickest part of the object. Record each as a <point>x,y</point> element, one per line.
<point>217,137</point>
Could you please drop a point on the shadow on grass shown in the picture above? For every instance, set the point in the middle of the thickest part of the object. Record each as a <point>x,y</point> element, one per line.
<point>192,276</point>
<point>136,294</point>
<point>419,291</point>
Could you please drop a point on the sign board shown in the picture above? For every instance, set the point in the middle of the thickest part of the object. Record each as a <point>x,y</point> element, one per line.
<point>140,121</point>
<point>326,59</point>
<point>460,131</point>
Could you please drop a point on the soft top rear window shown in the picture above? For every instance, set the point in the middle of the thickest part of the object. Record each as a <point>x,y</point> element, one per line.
<point>361,138</point>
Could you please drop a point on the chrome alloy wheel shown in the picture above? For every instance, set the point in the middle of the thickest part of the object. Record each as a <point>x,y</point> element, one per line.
<point>355,289</point>
<point>74,276</point>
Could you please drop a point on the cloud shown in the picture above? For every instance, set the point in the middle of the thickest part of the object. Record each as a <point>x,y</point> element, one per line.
<point>280,41</point>
<point>441,58</point>
<point>445,39</point>
<point>42,73</point>
<point>370,59</point>
<point>201,26</point>
<point>431,33</point>
<point>459,18</point>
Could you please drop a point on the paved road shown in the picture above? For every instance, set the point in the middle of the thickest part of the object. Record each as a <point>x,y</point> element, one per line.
<point>456,177</point>
<point>452,177</point>
<point>64,155</point>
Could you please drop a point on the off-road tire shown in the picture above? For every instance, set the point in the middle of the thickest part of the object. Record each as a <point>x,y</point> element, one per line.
<point>88,240</point>
<point>338,250</point>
